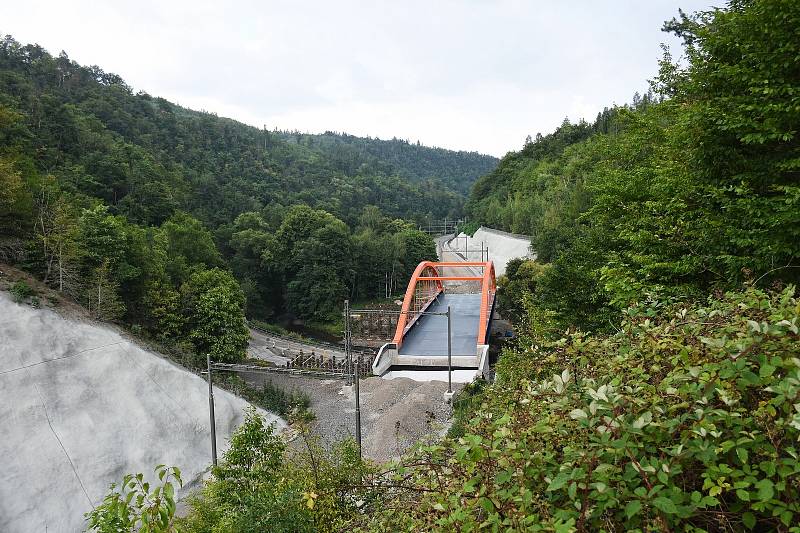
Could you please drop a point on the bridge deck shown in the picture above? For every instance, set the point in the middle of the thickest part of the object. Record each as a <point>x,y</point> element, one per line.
<point>428,337</point>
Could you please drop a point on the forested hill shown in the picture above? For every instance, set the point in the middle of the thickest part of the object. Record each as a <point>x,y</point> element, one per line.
<point>520,192</point>
<point>693,190</point>
<point>417,162</point>
<point>132,149</point>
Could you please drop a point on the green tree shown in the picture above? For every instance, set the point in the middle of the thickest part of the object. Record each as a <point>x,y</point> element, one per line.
<point>149,203</point>
<point>15,200</point>
<point>162,309</point>
<point>101,294</point>
<point>135,506</point>
<point>416,246</point>
<point>105,240</point>
<point>253,264</point>
<point>214,305</point>
<point>739,100</point>
<point>190,246</point>
<point>518,286</point>
<point>314,251</point>
<point>249,491</point>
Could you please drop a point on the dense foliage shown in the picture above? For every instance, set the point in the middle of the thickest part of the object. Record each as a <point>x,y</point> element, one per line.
<point>416,162</point>
<point>310,261</point>
<point>679,196</point>
<point>685,419</point>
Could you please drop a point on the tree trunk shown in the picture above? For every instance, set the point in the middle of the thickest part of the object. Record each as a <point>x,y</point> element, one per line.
<point>61,267</point>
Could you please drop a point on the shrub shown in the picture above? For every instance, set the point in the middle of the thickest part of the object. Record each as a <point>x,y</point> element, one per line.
<point>135,507</point>
<point>21,291</point>
<point>260,485</point>
<point>465,403</point>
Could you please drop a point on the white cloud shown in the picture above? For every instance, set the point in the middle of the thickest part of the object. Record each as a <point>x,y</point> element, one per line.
<point>471,74</point>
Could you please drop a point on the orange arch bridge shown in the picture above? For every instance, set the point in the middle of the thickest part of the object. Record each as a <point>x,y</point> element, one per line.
<point>421,338</point>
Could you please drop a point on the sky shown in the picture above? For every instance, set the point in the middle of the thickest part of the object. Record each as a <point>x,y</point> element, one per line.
<point>473,75</point>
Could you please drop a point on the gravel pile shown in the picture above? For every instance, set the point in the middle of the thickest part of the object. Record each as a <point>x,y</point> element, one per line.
<point>395,414</point>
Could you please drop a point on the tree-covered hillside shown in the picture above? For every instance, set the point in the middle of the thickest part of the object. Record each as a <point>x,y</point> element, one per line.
<point>132,149</point>
<point>416,162</point>
<point>176,221</point>
<point>697,191</point>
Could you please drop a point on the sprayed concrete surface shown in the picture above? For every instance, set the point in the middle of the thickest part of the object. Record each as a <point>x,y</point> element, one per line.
<point>502,247</point>
<point>81,406</point>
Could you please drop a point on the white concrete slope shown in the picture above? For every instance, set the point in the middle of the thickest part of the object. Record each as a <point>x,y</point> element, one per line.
<point>502,247</point>
<point>81,406</point>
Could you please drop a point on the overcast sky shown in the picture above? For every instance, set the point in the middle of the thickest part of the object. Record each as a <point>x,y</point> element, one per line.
<point>469,74</point>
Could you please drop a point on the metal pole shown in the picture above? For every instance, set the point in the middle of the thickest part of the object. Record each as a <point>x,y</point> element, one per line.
<point>348,355</point>
<point>449,354</point>
<point>211,413</point>
<point>356,373</point>
<point>358,404</point>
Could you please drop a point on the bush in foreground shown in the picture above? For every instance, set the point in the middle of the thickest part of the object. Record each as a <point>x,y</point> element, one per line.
<point>260,485</point>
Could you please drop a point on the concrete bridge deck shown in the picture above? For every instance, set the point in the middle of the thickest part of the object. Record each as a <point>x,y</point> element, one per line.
<point>428,336</point>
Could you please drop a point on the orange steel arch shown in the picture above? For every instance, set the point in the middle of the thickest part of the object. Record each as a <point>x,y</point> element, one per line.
<point>428,273</point>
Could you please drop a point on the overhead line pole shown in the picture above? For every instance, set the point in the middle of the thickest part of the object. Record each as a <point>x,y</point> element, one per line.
<point>356,372</point>
<point>449,354</point>
<point>213,422</point>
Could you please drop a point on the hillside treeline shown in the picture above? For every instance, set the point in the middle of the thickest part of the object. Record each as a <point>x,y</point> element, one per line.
<point>414,161</point>
<point>131,205</point>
